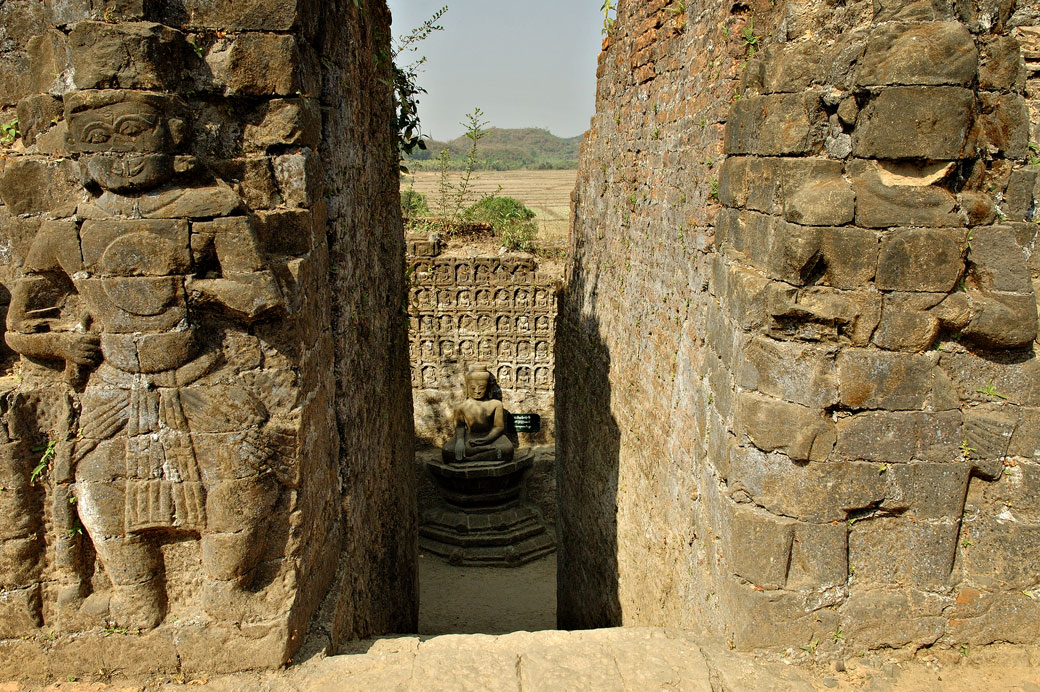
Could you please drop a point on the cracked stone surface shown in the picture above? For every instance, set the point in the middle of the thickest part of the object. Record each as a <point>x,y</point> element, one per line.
<point>608,659</point>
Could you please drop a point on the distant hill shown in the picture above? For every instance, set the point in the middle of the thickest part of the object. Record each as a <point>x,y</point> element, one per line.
<point>505,150</point>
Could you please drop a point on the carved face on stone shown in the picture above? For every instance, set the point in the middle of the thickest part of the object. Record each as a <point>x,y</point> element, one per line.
<point>126,138</point>
<point>477,384</point>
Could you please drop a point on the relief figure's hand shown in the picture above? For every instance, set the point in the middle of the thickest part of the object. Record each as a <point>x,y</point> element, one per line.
<point>83,349</point>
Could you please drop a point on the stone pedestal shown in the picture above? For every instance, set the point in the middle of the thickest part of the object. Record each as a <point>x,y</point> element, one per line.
<point>483,520</point>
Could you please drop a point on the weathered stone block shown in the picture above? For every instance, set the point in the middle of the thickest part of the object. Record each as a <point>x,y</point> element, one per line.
<point>36,114</point>
<point>999,551</point>
<point>733,181</point>
<point>257,64</point>
<point>819,557</point>
<point>1014,377</point>
<point>921,259</point>
<point>939,435</point>
<point>885,618</point>
<point>850,256</point>
<point>764,181</point>
<point>902,195</point>
<point>987,433</point>
<point>1025,442</point>
<point>881,380</point>
<point>933,53</point>
<point>1002,321</point>
<point>815,492</point>
<point>820,313</point>
<point>16,76</point>
<point>772,616</point>
<point>288,232</point>
<point>775,125</point>
<point>981,618</point>
<point>930,123</point>
<point>816,193</point>
<point>16,236</point>
<point>939,489</point>
<point>247,15</point>
<point>33,186</point>
<point>998,260</point>
<point>1005,124</point>
<point>772,425</point>
<point>793,67</point>
<point>800,373</point>
<point>891,550</point>
<point>1002,67</point>
<point>881,436</point>
<point>745,294</point>
<point>253,180</point>
<point>20,20</point>
<point>51,63</point>
<point>784,251</point>
<point>904,11</point>
<point>907,323</point>
<point>1020,201</point>
<point>289,122</point>
<point>130,55</point>
<point>758,545</point>
<point>298,178</point>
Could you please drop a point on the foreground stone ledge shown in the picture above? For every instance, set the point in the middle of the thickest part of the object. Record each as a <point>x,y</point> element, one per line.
<point>609,659</point>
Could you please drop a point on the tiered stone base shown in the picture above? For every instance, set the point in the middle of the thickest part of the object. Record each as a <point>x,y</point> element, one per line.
<point>483,522</point>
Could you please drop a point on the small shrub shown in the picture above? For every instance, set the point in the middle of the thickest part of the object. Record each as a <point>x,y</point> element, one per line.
<point>494,209</point>
<point>511,221</point>
<point>414,204</point>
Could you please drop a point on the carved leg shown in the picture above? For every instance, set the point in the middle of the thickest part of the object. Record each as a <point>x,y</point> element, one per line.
<point>234,542</point>
<point>21,543</point>
<point>131,561</point>
<point>138,597</point>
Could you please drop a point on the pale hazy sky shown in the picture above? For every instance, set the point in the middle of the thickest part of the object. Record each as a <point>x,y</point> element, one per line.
<point>525,63</point>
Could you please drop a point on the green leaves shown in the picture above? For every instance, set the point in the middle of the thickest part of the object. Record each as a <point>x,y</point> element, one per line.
<point>8,133</point>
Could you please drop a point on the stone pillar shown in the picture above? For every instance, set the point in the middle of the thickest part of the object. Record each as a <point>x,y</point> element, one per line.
<point>202,470</point>
<point>835,441</point>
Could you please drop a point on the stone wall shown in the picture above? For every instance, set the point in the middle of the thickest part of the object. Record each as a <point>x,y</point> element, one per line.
<point>797,402</point>
<point>201,449</point>
<point>498,311</point>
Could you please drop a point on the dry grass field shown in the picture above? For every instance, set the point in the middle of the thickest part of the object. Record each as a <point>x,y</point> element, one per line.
<point>547,193</point>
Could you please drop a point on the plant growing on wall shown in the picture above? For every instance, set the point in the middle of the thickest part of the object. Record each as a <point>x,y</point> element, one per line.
<point>510,220</point>
<point>452,198</point>
<point>8,133</point>
<point>609,9</point>
<point>406,88</point>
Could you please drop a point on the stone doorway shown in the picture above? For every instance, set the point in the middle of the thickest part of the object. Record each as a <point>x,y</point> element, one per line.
<point>486,564</point>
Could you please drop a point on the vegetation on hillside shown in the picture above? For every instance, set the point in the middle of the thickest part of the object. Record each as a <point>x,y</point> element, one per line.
<point>503,150</point>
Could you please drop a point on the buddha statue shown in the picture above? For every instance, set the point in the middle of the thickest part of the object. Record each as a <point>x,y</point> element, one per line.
<point>480,425</point>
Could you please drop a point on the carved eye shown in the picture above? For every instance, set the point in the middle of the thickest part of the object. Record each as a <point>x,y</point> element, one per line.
<point>133,126</point>
<point>96,133</point>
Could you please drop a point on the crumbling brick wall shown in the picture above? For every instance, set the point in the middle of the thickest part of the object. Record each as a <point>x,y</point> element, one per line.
<point>798,396</point>
<point>200,447</point>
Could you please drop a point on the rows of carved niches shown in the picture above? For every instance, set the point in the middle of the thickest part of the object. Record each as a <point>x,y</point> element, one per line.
<point>473,271</point>
<point>484,349</point>
<point>530,298</point>
<point>512,376</point>
<point>468,324</point>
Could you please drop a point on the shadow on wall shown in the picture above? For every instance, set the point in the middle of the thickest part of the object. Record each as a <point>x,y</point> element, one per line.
<point>588,447</point>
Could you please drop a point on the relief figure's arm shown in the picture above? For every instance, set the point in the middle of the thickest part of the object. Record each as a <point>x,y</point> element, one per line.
<point>34,325</point>
<point>246,287</point>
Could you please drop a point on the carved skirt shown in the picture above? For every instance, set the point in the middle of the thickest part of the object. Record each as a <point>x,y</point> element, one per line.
<point>159,423</point>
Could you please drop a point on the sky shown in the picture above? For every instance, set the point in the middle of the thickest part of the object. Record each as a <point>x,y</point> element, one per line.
<point>525,63</point>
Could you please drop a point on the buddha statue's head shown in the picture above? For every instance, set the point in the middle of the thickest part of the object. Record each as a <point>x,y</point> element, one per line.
<point>126,139</point>
<point>477,383</point>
